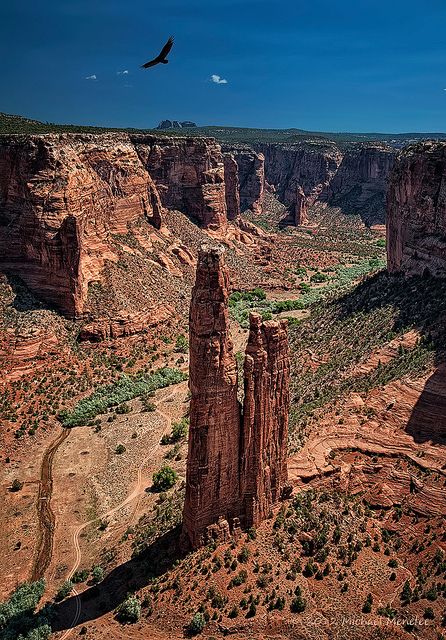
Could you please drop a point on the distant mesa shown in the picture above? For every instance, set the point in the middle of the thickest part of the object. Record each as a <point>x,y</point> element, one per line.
<point>175,124</point>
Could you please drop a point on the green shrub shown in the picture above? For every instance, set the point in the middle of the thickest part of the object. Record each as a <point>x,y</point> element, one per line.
<point>164,479</point>
<point>298,604</point>
<point>179,430</point>
<point>123,408</point>
<point>65,589</point>
<point>197,624</point>
<point>97,574</point>
<point>16,485</point>
<point>181,344</point>
<point>120,449</point>
<point>129,611</point>
<point>18,619</point>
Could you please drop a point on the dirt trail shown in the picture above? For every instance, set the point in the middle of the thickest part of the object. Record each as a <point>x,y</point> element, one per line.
<point>138,490</point>
<point>45,514</point>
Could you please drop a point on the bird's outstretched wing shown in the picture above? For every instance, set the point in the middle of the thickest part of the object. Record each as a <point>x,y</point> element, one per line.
<point>167,47</point>
<point>164,51</point>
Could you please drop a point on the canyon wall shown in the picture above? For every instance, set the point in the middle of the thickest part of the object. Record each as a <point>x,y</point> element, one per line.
<point>360,183</point>
<point>352,177</point>
<point>63,198</point>
<point>416,211</point>
<point>189,174</point>
<point>236,466</point>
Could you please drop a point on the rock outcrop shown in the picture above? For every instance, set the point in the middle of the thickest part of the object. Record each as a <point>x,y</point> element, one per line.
<point>189,174</point>
<point>416,211</point>
<point>265,418</point>
<point>251,175</point>
<point>212,482</point>
<point>300,208</point>
<point>64,199</point>
<point>61,199</point>
<point>232,186</point>
<point>176,124</point>
<point>236,466</point>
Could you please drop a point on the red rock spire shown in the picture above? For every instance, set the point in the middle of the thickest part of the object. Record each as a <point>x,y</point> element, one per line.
<point>212,481</point>
<point>265,418</point>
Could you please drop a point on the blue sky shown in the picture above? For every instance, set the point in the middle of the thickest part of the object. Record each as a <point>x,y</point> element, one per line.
<point>352,65</point>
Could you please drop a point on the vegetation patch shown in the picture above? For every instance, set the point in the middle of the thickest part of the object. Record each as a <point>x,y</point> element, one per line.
<point>124,389</point>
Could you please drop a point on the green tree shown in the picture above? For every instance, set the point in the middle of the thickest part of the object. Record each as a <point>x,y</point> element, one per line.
<point>164,479</point>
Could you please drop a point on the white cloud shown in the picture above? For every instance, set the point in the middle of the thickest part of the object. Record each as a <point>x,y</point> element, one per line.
<point>123,73</point>
<point>218,80</point>
<point>92,77</point>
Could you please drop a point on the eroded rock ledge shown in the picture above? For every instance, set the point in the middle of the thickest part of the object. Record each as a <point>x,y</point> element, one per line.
<point>236,467</point>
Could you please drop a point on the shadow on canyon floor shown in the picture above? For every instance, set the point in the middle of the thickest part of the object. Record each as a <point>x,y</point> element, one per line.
<point>130,576</point>
<point>24,299</point>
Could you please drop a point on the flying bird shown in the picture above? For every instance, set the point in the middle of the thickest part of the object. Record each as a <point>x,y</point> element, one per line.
<point>162,57</point>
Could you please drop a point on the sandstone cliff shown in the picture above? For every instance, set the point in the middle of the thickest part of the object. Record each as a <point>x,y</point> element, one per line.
<point>236,469</point>
<point>189,174</point>
<point>251,176</point>
<point>61,198</point>
<point>416,211</point>
<point>360,183</point>
<point>353,178</point>
<point>64,199</point>
<point>265,418</point>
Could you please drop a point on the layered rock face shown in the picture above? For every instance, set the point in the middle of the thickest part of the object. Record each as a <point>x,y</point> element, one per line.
<point>189,174</point>
<point>64,197</point>
<point>212,482</point>
<point>61,198</point>
<point>251,175</point>
<point>265,418</point>
<point>360,184</point>
<point>292,166</point>
<point>232,186</point>
<point>352,178</point>
<point>416,211</point>
<point>236,466</point>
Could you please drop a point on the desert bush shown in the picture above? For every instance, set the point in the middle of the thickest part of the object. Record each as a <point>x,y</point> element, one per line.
<point>129,611</point>
<point>18,619</point>
<point>64,590</point>
<point>164,479</point>
<point>197,624</point>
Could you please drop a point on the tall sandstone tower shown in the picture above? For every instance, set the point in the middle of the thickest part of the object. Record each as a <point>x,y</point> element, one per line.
<point>236,467</point>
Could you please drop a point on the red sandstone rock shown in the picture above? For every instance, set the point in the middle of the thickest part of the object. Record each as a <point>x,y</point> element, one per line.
<point>251,174</point>
<point>189,174</point>
<point>355,178</point>
<point>416,211</point>
<point>300,208</point>
<point>233,475</point>
<point>265,418</point>
<point>212,480</point>
<point>61,198</point>
<point>232,186</point>
<point>360,183</point>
